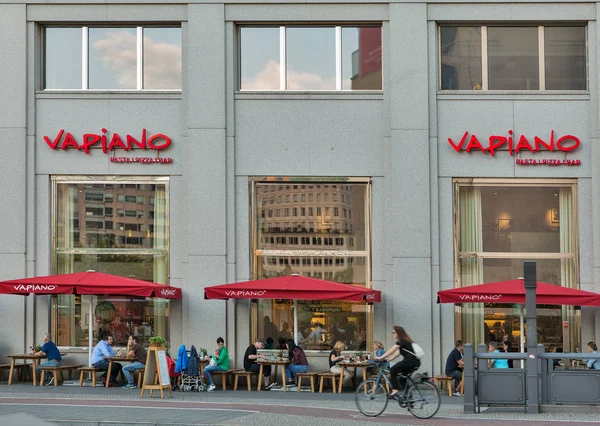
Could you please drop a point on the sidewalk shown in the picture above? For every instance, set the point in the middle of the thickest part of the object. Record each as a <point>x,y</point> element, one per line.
<point>67,405</point>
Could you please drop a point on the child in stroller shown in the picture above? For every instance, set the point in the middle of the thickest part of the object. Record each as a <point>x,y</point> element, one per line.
<point>189,368</point>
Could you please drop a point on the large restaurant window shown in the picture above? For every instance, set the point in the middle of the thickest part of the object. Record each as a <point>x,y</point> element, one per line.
<point>318,229</point>
<point>93,231</point>
<point>310,58</point>
<point>498,225</point>
<point>485,57</point>
<point>112,58</point>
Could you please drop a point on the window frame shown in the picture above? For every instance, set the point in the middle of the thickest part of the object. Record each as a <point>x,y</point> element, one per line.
<point>310,253</point>
<point>112,180</point>
<point>283,58</point>
<point>541,57</point>
<point>85,57</point>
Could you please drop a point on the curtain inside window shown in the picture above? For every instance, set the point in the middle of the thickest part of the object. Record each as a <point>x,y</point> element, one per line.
<point>160,259</point>
<point>471,272</point>
<point>567,267</point>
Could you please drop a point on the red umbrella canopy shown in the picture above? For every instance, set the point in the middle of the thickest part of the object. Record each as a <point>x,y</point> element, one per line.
<point>513,291</point>
<point>94,283</point>
<point>292,287</point>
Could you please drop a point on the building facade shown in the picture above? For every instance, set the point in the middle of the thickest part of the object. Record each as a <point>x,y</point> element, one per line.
<point>409,147</point>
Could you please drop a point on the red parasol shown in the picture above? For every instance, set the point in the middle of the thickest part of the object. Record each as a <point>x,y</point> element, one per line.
<point>295,287</point>
<point>91,283</point>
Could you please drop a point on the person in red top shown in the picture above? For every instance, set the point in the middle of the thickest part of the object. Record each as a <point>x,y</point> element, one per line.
<point>299,362</point>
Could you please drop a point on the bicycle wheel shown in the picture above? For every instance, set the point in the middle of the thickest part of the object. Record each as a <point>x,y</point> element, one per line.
<point>424,400</point>
<point>371,398</point>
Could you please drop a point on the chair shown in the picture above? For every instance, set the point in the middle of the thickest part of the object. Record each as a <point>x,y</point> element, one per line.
<point>247,375</point>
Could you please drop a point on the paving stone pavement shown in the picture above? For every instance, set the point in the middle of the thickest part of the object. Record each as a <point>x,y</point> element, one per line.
<point>74,406</point>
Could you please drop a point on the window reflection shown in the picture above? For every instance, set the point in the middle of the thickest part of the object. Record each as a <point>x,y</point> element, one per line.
<point>112,58</point>
<point>62,58</point>
<point>111,216</point>
<point>118,229</point>
<point>513,58</point>
<point>317,230</point>
<point>310,58</point>
<point>460,58</point>
<point>565,55</point>
<point>259,58</point>
<point>162,58</point>
<point>361,58</point>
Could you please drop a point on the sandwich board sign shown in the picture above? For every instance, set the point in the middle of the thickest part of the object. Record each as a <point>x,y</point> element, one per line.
<point>156,374</point>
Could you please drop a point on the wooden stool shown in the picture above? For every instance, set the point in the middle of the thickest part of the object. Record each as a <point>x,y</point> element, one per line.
<point>328,375</point>
<point>247,374</point>
<point>223,375</point>
<point>311,376</point>
<point>387,384</point>
<point>83,370</point>
<point>445,381</point>
<point>140,373</point>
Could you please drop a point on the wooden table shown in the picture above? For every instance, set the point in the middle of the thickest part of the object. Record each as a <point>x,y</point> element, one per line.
<point>275,363</point>
<point>35,361</point>
<point>365,365</point>
<point>110,360</point>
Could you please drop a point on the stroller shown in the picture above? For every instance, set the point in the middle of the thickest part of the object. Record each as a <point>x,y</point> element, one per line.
<point>190,371</point>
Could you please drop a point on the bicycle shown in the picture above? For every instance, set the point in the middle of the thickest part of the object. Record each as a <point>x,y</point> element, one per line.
<point>420,396</point>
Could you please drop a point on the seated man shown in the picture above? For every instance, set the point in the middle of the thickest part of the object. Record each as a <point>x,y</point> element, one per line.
<point>454,365</point>
<point>250,364</point>
<point>102,351</point>
<point>51,352</point>
<point>138,351</point>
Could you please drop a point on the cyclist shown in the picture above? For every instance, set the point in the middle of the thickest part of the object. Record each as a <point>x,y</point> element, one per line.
<point>403,346</point>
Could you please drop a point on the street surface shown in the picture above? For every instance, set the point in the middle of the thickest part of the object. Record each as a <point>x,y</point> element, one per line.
<point>23,404</point>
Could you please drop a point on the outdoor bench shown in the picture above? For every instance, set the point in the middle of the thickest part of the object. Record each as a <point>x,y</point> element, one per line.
<point>225,374</point>
<point>83,370</point>
<point>20,369</point>
<point>60,370</point>
<point>247,375</point>
<point>325,375</point>
<point>311,376</point>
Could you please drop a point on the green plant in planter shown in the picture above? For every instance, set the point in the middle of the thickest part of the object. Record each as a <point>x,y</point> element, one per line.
<point>281,354</point>
<point>157,341</point>
<point>358,355</point>
<point>37,348</point>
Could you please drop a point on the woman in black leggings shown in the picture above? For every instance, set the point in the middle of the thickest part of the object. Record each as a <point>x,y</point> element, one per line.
<point>403,346</point>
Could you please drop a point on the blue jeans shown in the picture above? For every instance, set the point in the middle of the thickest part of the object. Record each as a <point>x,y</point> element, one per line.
<point>210,368</point>
<point>51,363</point>
<point>131,367</point>
<point>292,368</point>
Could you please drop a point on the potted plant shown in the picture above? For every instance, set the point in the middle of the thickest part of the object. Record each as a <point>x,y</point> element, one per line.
<point>37,348</point>
<point>358,355</point>
<point>157,341</point>
<point>280,354</point>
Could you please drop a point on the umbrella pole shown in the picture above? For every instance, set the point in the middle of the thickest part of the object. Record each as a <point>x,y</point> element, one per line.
<point>295,321</point>
<point>522,337</point>
<point>90,333</point>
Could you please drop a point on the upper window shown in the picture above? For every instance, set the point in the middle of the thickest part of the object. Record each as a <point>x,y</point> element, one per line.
<point>111,58</point>
<point>513,58</point>
<point>310,58</point>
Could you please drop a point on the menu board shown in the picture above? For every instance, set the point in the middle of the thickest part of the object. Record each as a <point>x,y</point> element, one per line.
<point>163,368</point>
